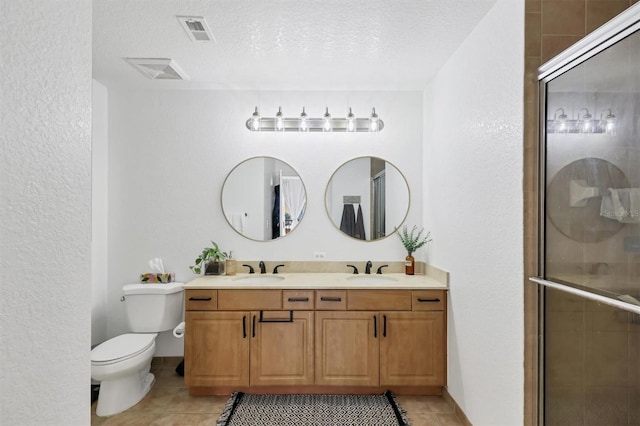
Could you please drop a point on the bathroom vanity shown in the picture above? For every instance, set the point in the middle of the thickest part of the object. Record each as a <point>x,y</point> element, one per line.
<point>315,333</point>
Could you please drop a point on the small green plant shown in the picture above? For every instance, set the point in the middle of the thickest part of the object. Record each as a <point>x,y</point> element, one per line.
<point>208,254</point>
<point>413,242</point>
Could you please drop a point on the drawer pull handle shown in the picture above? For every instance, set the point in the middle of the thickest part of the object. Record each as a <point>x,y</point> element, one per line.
<point>199,299</point>
<point>290,319</point>
<point>428,300</point>
<point>331,299</point>
<point>298,299</point>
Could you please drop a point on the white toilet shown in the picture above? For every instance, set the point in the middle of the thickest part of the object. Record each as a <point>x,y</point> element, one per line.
<point>122,364</point>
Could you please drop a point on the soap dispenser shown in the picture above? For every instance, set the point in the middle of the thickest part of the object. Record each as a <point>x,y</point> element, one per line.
<point>230,265</point>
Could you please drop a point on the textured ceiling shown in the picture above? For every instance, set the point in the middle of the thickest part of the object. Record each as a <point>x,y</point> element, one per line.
<point>284,44</point>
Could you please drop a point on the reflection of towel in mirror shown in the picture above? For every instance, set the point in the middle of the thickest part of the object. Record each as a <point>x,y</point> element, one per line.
<point>622,205</point>
<point>360,225</point>
<point>348,222</point>
<point>238,222</point>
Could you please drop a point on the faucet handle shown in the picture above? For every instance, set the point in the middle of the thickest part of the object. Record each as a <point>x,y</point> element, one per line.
<point>355,270</point>
<point>275,269</point>
<point>379,271</point>
<point>251,270</point>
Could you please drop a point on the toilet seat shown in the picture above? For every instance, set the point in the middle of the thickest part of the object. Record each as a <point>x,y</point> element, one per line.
<point>121,348</point>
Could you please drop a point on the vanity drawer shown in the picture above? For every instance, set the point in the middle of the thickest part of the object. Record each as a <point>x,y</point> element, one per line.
<point>428,300</point>
<point>378,300</point>
<point>244,300</point>
<point>201,300</point>
<point>297,300</point>
<point>331,300</point>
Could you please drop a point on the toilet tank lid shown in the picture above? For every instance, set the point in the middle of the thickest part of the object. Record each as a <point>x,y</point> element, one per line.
<point>168,288</point>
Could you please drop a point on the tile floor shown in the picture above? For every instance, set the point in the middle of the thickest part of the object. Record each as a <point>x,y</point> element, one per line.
<point>169,403</point>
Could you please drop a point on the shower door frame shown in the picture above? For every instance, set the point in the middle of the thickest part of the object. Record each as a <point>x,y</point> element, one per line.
<point>604,37</point>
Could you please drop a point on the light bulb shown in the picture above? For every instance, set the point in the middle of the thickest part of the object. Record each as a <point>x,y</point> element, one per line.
<point>560,121</point>
<point>351,121</point>
<point>279,125</point>
<point>373,121</point>
<point>255,120</point>
<point>586,123</point>
<point>303,125</point>
<point>327,125</point>
<point>609,123</point>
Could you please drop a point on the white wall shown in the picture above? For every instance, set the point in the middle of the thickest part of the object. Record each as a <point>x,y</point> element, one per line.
<point>473,204</point>
<point>170,151</point>
<point>99,212</point>
<point>45,210</point>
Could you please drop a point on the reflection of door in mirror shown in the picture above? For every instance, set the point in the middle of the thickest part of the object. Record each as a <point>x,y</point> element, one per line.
<point>292,202</point>
<point>378,196</point>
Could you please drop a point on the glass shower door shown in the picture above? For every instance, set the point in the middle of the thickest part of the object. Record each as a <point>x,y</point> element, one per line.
<point>590,259</point>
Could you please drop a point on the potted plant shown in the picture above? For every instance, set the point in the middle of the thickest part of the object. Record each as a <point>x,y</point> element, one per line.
<point>412,243</point>
<point>212,259</point>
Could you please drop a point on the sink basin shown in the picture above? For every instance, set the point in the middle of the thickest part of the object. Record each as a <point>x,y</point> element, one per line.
<point>259,279</point>
<point>371,279</point>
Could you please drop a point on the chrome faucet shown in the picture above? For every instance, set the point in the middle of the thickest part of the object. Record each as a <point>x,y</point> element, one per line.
<point>263,269</point>
<point>367,269</point>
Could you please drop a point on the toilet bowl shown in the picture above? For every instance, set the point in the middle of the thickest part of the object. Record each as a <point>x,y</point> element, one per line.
<point>123,364</point>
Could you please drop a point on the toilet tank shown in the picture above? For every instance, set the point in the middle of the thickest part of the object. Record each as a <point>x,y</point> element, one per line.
<point>153,308</point>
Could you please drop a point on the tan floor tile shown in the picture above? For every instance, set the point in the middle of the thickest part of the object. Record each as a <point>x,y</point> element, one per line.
<point>130,419</point>
<point>186,420</point>
<point>423,419</point>
<point>448,419</point>
<point>437,404</point>
<point>414,403</point>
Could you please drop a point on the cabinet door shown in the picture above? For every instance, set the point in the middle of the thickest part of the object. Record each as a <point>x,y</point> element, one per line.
<point>412,348</point>
<point>216,348</point>
<point>347,352</point>
<point>282,348</point>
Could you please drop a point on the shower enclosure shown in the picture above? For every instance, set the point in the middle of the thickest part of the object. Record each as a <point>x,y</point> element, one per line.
<point>590,229</point>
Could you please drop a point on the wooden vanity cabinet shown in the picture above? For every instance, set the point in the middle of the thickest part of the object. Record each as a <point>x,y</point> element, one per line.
<point>300,340</point>
<point>216,348</point>
<point>226,347</point>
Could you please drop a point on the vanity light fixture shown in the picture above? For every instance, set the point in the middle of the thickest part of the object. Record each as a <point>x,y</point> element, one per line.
<point>304,123</point>
<point>584,124</point>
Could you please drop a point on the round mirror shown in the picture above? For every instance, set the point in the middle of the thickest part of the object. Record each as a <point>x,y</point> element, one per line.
<point>263,198</point>
<point>367,198</point>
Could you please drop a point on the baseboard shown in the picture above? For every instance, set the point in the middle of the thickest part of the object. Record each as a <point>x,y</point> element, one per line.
<point>456,408</point>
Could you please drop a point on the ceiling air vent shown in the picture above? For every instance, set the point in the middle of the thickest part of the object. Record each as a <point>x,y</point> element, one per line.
<point>158,68</point>
<point>196,28</point>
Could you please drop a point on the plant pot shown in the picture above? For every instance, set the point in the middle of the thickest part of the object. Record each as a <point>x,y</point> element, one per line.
<point>215,267</point>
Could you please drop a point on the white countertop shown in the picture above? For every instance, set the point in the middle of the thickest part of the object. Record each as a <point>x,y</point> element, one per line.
<point>318,280</point>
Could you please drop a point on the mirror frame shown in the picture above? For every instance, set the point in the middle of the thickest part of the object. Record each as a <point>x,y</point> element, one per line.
<point>388,234</point>
<point>226,179</point>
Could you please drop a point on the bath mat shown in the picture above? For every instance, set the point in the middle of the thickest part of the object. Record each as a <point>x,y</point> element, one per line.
<point>313,410</point>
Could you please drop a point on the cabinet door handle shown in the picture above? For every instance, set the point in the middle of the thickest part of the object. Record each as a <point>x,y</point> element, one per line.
<point>375,326</point>
<point>384,326</point>
<point>253,329</point>
<point>244,326</point>
<point>428,300</point>
<point>298,299</point>
<point>199,299</point>
<point>331,299</point>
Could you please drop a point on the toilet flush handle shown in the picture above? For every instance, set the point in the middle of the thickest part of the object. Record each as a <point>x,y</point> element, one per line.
<point>122,299</point>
